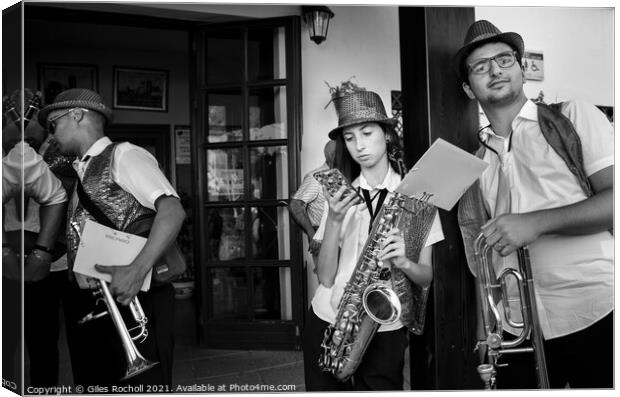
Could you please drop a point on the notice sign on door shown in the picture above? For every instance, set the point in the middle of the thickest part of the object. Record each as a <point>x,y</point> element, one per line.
<point>183,148</point>
<point>533,64</point>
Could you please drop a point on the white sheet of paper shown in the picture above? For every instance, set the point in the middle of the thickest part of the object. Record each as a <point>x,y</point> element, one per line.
<point>101,245</point>
<point>445,171</point>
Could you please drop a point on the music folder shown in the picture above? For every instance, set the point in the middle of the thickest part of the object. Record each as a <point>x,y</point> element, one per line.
<point>101,245</point>
<point>444,172</point>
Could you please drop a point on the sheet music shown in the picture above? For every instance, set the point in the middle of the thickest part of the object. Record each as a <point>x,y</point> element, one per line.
<point>101,245</point>
<point>445,171</point>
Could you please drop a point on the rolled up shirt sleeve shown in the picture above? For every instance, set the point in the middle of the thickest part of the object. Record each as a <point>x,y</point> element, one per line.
<point>39,182</point>
<point>596,133</point>
<point>137,172</point>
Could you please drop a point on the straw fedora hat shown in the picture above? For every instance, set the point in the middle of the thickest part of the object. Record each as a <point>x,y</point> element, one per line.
<point>77,98</point>
<point>359,106</point>
<point>482,32</point>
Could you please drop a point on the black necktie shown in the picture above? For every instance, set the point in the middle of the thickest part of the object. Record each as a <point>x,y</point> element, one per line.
<point>373,214</point>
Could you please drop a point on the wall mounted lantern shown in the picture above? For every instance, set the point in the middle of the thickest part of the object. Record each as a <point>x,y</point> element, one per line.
<point>317,20</point>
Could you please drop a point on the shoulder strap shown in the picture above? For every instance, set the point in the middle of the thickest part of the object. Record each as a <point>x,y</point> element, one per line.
<point>92,208</point>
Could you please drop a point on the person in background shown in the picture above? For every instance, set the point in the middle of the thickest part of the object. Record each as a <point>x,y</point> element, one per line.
<point>549,186</point>
<point>308,203</point>
<point>42,200</point>
<point>125,183</point>
<point>367,149</point>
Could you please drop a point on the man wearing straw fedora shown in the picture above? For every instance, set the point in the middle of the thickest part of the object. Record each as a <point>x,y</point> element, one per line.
<point>122,183</point>
<point>549,187</point>
<point>368,154</point>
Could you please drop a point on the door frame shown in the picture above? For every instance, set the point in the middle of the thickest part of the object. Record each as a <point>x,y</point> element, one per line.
<point>265,334</point>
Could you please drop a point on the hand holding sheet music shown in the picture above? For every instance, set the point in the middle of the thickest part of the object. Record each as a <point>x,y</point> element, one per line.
<point>101,245</point>
<point>445,172</point>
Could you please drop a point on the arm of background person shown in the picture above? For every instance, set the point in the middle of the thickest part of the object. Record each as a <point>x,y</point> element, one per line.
<point>297,209</point>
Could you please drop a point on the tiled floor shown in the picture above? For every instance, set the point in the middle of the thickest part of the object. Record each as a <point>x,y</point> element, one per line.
<point>229,368</point>
<point>197,369</point>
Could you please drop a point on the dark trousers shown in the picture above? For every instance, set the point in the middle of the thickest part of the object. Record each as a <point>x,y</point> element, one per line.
<point>41,325</point>
<point>97,355</point>
<point>583,359</point>
<point>42,301</point>
<point>381,367</point>
<point>11,333</point>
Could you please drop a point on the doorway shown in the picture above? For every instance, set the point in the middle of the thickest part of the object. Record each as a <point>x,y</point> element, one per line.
<point>248,121</point>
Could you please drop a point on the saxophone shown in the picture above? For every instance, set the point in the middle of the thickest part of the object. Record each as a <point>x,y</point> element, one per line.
<point>369,300</point>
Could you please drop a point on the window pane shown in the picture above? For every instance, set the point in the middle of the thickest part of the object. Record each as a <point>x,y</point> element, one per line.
<point>272,293</point>
<point>224,57</point>
<point>225,116</point>
<point>270,233</point>
<point>267,113</point>
<point>230,289</point>
<point>224,174</point>
<point>266,53</point>
<point>225,234</point>
<point>269,172</point>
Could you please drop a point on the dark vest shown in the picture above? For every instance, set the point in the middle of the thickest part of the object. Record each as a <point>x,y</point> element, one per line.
<point>118,205</point>
<point>560,133</point>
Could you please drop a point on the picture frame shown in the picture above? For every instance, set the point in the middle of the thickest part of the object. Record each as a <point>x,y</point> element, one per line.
<point>140,89</point>
<point>55,78</point>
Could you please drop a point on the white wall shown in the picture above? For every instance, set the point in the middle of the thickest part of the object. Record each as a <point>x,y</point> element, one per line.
<point>361,42</point>
<point>577,45</point>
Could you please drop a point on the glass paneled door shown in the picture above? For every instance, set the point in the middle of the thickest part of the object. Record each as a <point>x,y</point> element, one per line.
<point>248,131</point>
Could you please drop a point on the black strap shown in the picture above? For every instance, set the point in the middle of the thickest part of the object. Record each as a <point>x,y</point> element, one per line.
<point>382,195</point>
<point>92,208</point>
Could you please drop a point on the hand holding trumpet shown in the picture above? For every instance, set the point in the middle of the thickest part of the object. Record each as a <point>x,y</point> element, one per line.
<point>509,232</point>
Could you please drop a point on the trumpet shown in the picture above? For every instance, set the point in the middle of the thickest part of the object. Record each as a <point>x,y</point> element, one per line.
<point>490,290</point>
<point>136,363</point>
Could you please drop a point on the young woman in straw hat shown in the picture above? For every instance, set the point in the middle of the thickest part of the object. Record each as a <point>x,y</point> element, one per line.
<point>367,153</point>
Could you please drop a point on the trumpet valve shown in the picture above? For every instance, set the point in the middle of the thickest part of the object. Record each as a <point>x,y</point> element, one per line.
<point>494,341</point>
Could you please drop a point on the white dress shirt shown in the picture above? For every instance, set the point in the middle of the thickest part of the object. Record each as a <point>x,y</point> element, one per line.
<point>573,275</point>
<point>40,185</point>
<point>353,236</point>
<point>134,169</point>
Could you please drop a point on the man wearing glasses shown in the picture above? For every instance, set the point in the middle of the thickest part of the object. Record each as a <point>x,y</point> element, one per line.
<point>548,186</point>
<point>123,183</point>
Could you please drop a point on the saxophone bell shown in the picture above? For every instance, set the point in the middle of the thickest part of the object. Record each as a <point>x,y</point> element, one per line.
<point>381,304</point>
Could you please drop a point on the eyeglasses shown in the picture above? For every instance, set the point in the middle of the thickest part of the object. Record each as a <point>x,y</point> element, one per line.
<point>51,122</point>
<point>483,65</point>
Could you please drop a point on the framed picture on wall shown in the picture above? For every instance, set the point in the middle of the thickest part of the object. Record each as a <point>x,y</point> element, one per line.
<point>140,89</point>
<point>54,78</point>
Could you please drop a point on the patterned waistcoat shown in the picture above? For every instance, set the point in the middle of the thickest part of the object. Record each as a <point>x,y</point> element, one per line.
<point>118,205</point>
